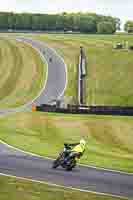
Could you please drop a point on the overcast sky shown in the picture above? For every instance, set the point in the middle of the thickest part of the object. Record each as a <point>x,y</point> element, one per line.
<point>118,8</point>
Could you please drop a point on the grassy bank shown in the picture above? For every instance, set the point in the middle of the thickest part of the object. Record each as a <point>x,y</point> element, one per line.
<point>22,73</point>
<point>109,72</point>
<point>109,139</point>
<point>14,189</point>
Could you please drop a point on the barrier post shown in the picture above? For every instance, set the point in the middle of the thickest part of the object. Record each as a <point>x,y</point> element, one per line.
<point>34,108</point>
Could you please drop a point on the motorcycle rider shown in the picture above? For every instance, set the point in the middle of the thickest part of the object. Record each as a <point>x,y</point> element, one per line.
<point>76,149</point>
<point>70,155</point>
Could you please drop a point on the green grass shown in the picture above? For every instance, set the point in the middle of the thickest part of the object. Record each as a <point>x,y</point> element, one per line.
<point>109,81</point>
<point>14,189</point>
<point>22,73</point>
<point>109,72</point>
<point>109,139</point>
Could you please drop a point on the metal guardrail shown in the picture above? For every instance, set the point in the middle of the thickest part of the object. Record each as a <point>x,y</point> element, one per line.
<point>81,76</point>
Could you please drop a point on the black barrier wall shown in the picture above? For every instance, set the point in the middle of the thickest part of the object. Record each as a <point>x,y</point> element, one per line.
<point>97,110</point>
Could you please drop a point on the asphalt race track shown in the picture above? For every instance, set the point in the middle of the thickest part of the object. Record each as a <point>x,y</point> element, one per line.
<point>17,163</point>
<point>56,79</point>
<point>56,76</point>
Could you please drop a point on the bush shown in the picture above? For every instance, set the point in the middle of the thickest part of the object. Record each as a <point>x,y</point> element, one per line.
<point>131,47</point>
<point>106,28</point>
<point>118,46</point>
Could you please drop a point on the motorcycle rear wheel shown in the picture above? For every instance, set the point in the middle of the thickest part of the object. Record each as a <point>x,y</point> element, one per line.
<point>56,164</point>
<point>70,167</point>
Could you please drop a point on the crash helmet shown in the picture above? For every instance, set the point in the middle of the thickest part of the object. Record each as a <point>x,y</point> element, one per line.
<point>82,142</point>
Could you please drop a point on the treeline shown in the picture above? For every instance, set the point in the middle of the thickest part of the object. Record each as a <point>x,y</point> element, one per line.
<point>128,27</point>
<point>79,22</point>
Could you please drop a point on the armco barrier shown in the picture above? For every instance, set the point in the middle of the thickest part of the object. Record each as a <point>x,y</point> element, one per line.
<point>112,110</point>
<point>97,110</point>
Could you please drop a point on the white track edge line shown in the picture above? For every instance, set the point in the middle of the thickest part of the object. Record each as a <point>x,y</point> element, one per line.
<point>17,109</point>
<point>20,108</point>
<point>60,96</point>
<point>66,72</point>
<point>61,186</point>
<point>58,55</point>
<point>45,157</point>
<point>45,62</point>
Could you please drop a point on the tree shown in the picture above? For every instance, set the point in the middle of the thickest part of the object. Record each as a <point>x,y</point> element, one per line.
<point>87,24</point>
<point>23,21</point>
<point>36,22</point>
<point>76,22</point>
<point>3,20</point>
<point>83,22</point>
<point>51,20</point>
<point>42,22</point>
<point>105,27</point>
<point>128,27</point>
<point>67,21</point>
<point>26,20</point>
<point>59,23</point>
<point>117,23</point>
<point>11,20</point>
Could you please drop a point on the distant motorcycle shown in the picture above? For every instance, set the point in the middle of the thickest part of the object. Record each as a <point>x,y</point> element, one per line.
<point>65,159</point>
<point>50,59</point>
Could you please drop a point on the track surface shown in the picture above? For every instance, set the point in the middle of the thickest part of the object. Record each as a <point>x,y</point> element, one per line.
<point>56,76</point>
<point>56,79</point>
<point>17,163</point>
<point>20,164</point>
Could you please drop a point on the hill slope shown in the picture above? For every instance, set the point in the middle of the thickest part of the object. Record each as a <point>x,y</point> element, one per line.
<point>109,72</point>
<point>109,139</point>
<point>22,73</point>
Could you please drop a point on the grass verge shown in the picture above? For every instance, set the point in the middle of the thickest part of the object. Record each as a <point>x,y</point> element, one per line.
<point>25,73</point>
<point>14,189</point>
<point>109,139</point>
<point>109,72</point>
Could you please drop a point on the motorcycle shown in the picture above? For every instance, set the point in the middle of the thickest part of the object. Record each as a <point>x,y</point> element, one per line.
<point>65,159</point>
<point>50,59</point>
